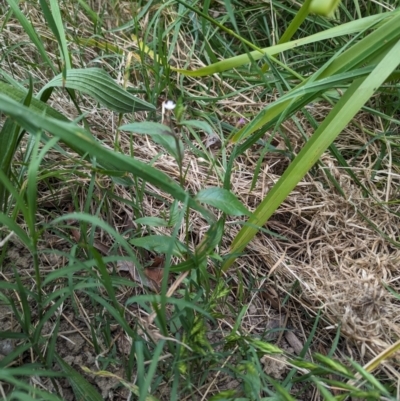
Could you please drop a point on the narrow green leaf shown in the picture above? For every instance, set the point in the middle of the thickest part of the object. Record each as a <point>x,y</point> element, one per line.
<point>81,140</point>
<point>281,391</point>
<point>57,18</point>
<point>82,389</point>
<point>370,378</point>
<point>54,21</point>
<point>13,226</point>
<point>225,395</point>
<point>160,134</point>
<point>324,391</point>
<point>13,376</point>
<point>8,146</point>
<point>350,103</point>
<point>265,347</point>
<point>223,200</point>
<point>299,18</point>
<point>251,380</point>
<point>343,63</point>
<point>30,30</point>
<point>160,244</point>
<point>97,83</point>
<point>152,221</point>
<point>229,10</point>
<point>332,364</point>
<point>341,30</point>
<point>202,125</point>
<point>36,105</point>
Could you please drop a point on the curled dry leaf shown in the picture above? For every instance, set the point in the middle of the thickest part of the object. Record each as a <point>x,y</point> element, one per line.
<point>151,277</point>
<point>270,295</point>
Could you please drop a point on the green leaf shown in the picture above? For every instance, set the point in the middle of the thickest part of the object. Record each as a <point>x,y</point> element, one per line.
<point>30,30</point>
<point>282,393</point>
<point>160,134</point>
<point>334,365</point>
<point>223,200</point>
<point>329,34</point>
<point>98,84</point>
<point>224,395</point>
<point>251,380</point>
<point>160,244</point>
<point>152,221</point>
<point>202,125</point>
<point>36,105</point>
<point>82,389</point>
<point>345,62</point>
<point>83,142</point>
<point>359,92</point>
<point>55,23</point>
<point>324,391</point>
<point>265,347</point>
<point>370,378</point>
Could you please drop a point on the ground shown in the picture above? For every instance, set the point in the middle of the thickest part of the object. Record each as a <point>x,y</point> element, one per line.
<point>327,261</point>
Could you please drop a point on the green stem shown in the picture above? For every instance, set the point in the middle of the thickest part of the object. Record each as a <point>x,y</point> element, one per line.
<point>301,15</point>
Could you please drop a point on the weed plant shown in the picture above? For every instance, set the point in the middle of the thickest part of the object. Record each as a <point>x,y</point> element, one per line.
<point>126,215</point>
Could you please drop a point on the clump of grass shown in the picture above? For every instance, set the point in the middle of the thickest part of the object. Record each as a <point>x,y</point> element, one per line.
<point>240,246</point>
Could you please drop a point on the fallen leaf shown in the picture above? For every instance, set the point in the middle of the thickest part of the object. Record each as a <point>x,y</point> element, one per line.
<point>151,277</point>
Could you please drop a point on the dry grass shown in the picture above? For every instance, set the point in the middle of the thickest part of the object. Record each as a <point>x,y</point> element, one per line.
<point>333,259</point>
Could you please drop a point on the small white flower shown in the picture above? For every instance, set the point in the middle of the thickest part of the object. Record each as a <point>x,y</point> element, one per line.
<point>166,105</point>
<point>169,105</point>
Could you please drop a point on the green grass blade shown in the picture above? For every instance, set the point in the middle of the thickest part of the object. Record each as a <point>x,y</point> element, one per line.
<point>301,15</point>
<point>347,107</point>
<point>61,33</point>
<point>38,106</point>
<point>8,141</point>
<point>371,379</point>
<point>54,20</point>
<point>13,226</point>
<point>83,390</point>
<point>344,63</point>
<point>93,15</point>
<point>151,371</point>
<point>233,62</point>
<point>13,376</point>
<point>97,83</point>
<point>78,138</point>
<point>30,30</point>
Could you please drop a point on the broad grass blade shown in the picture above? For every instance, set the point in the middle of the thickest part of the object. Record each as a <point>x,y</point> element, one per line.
<point>97,83</point>
<point>83,390</point>
<point>237,61</point>
<point>354,98</point>
<point>83,141</point>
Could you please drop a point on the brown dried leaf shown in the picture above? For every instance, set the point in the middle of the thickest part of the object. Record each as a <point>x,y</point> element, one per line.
<point>151,277</point>
<point>270,295</point>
